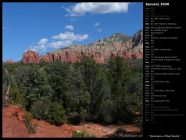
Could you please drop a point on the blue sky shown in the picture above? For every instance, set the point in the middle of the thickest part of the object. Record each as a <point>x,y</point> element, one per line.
<point>44,27</point>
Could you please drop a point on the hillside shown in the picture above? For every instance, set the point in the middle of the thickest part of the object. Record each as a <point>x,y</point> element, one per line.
<point>14,126</point>
<point>116,45</point>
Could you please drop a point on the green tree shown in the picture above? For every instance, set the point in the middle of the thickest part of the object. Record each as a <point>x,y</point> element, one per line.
<point>118,74</point>
<point>16,96</point>
<point>56,113</point>
<point>59,78</point>
<point>84,91</point>
<point>77,99</point>
<point>32,82</point>
<point>40,108</point>
<point>96,85</point>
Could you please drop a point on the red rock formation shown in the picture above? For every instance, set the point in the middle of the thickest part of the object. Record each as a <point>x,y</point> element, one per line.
<point>9,61</point>
<point>97,57</point>
<point>47,58</point>
<point>30,57</point>
<point>100,51</point>
<point>126,55</point>
<point>56,56</point>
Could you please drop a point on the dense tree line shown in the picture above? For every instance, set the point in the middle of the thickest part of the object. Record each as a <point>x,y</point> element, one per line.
<point>85,91</point>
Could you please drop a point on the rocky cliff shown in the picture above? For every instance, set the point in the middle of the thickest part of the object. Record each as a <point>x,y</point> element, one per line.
<point>9,61</point>
<point>30,57</point>
<point>116,45</point>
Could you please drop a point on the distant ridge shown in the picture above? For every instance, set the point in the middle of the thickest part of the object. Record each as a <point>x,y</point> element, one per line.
<point>116,45</point>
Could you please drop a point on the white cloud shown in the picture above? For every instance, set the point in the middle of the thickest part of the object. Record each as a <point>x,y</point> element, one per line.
<point>69,27</point>
<point>96,24</point>
<point>43,41</point>
<point>97,8</point>
<point>42,44</point>
<point>66,39</point>
<point>63,43</point>
<point>58,41</point>
<point>71,36</point>
<point>33,49</point>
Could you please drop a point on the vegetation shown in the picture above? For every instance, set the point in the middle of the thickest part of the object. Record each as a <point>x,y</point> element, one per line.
<point>28,121</point>
<point>85,91</point>
<point>81,134</point>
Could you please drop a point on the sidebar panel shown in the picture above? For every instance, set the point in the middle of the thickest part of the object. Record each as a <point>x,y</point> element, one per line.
<point>163,70</point>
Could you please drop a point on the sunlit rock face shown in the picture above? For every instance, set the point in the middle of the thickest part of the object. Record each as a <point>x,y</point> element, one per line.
<point>30,57</point>
<point>116,45</point>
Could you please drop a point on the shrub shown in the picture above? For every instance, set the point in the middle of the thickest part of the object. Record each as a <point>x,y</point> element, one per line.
<point>40,108</point>
<point>28,122</point>
<point>120,131</point>
<point>81,134</point>
<point>16,96</point>
<point>56,114</point>
<point>44,109</point>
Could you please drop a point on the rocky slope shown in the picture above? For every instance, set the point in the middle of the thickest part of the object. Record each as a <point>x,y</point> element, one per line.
<point>13,126</point>
<point>118,44</point>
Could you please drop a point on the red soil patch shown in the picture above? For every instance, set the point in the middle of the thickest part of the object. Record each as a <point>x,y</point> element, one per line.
<point>14,126</point>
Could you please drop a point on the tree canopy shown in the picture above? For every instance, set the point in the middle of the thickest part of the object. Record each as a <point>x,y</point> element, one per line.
<point>76,92</point>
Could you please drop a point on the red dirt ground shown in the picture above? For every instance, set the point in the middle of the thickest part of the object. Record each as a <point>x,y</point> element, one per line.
<point>14,126</point>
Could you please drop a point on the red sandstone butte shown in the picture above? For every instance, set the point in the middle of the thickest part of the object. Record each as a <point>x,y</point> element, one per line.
<point>30,57</point>
<point>33,57</point>
<point>9,61</point>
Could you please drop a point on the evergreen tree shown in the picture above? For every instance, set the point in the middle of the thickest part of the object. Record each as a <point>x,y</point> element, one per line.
<point>118,75</point>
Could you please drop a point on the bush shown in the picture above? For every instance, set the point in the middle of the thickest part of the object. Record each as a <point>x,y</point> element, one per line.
<point>40,109</point>
<point>28,122</point>
<point>16,96</point>
<point>56,114</point>
<point>120,131</point>
<point>44,109</point>
<point>81,134</point>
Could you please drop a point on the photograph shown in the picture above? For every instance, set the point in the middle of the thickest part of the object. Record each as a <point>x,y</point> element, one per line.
<point>72,69</point>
